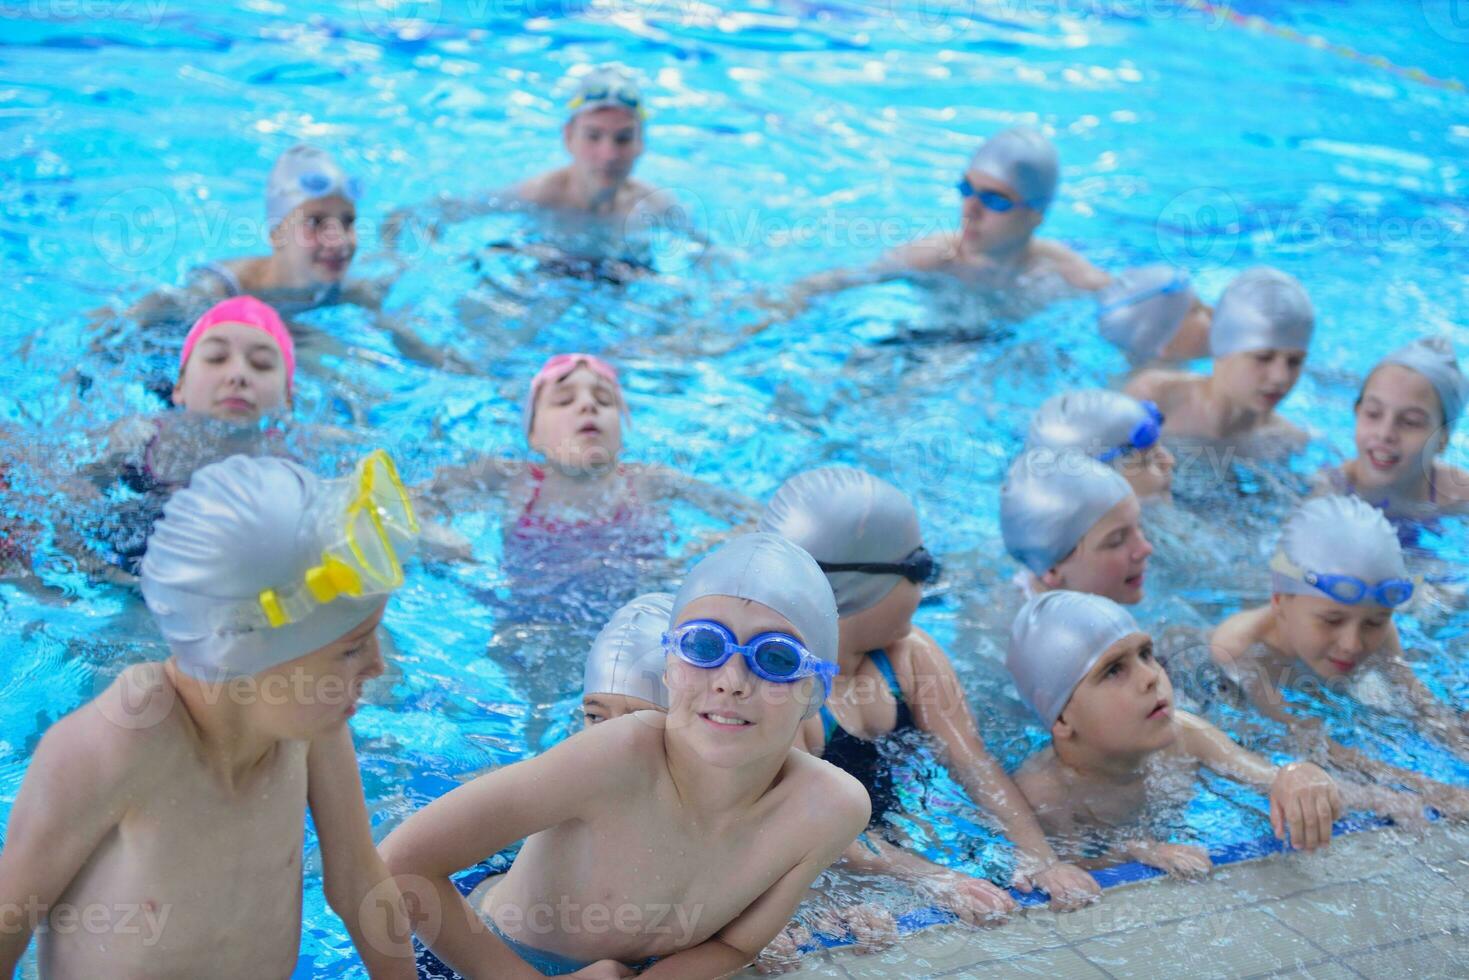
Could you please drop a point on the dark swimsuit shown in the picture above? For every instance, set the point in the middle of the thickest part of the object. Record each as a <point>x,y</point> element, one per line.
<point>861,757</point>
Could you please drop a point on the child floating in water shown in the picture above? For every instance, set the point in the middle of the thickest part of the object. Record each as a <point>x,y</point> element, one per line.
<point>1336,579</point>
<point>1259,336</point>
<point>1153,314</point>
<point>1004,193</point>
<point>893,677</point>
<point>689,836</point>
<point>1117,741</point>
<point>625,666</point>
<point>1405,415</point>
<point>1111,428</point>
<point>1074,523</point>
<point>176,797</point>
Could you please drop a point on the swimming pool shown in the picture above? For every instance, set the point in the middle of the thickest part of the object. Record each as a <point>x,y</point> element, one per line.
<point>800,136</point>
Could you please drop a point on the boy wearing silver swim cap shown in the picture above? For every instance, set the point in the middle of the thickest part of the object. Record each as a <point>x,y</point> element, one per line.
<point>1405,415</point>
<point>1088,671</point>
<point>1259,338</point>
<point>1153,314</point>
<point>864,533</point>
<point>183,786</point>
<point>706,824</point>
<point>1112,428</point>
<point>624,671</point>
<point>1074,523</point>
<point>1004,193</point>
<point>1337,578</point>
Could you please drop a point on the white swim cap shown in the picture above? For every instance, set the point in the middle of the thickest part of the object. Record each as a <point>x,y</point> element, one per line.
<point>1050,500</point>
<point>1142,308</point>
<point>1056,640</point>
<point>304,173</point>
<point>607,87</point>
<point>1023,158</point>
<point>240,528</point>
<point>768,569</point>
<point>1337,536</point>
<point>1433,357</point>
<point>1262,309</point>
<point>841,515</point>
<point>1096,423</point>
<point>627,657</point>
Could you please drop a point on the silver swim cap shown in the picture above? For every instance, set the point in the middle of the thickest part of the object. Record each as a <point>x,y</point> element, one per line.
<point>1023,158</point>
<point>1142,308</point>
<point>1338,536</point>
<point>627,657</point>
<point>1050,500</point>
<point>239,528</point>
<point>1262,309</point>
<point>1433,357</point>
<point>1095,422</point>
<point>1056,640</point>
<point>304,173</point>
<point>768,569</point>
<point>838,515</point>
<point>607,87</point>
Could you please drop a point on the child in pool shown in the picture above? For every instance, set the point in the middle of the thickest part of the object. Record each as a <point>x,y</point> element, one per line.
<point>1004,193</point>
<point>1405,414</point>
<point>893,676</point>
<point>181,789</point>
<point>625,665</point>
<point>1258,338</point>
<point>1336,578</point>
<point>1086,668</point>
<point>1153,314</point>
<point>1112,428</point>
<point>702,829</point>
<point>1074,523</point>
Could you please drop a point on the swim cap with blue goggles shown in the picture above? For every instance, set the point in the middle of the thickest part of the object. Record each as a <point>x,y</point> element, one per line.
<point>1144,435</point>
<point>991,199</point>
<point>776,657</point>
<point>1347,589</point>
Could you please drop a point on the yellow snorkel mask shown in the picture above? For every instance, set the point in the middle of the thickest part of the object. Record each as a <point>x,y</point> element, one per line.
<point>371,529</point>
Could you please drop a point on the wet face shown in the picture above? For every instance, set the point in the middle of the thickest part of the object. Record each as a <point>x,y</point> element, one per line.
<point>1149,473</point>
<point>1124,705</point>
<point>235,373</point>
<point>313,694</point>
<point>985,228</point>
<point>1399,427</point>
<point>882,625</point>
<point>1330,638</point>
<point>1258,379</point>
<point>729,715</point>
<point>597,708</point>
<point>577,421</point>
<point>605,145</point>
<point>1111,560</point>
<point>315,242</point>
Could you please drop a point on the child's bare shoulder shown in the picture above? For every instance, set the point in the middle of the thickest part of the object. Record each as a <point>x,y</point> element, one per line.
<point>826,794</point>
<point>1162,385</point>
<point>1231,640</point>
<point>1038,781</point>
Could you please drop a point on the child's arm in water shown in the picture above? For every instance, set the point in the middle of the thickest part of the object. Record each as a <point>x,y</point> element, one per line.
<point>487,474</point>
<point>940,708</point>
<point>76,791</point>
<point>1443,721</point>
<point>356,881</point>
<point>731,506</point>
<point>1304,800</point>
<point>1071,266</point>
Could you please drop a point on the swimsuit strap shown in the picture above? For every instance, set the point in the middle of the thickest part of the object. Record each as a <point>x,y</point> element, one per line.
<point>885,666</point>
<point>829,723</point>
<point>537,475</point>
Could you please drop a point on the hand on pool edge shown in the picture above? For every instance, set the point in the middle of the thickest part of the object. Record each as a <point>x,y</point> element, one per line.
<point>1070,887</point>
<point>1305,801</point>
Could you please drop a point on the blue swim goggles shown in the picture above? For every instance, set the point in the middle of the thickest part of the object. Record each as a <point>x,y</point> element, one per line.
<point>1144,435</point>
<point>1347,589</point>
<point>991,199</point>
<point>919,567</point>
<point>777,657</point>
<point>318,184</point>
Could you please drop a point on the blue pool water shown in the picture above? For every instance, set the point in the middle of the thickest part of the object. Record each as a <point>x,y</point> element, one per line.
<point>799,136</point>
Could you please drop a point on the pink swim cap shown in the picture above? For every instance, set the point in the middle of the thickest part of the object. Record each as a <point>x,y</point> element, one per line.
<point>559,366</point>
<point>252,313</point>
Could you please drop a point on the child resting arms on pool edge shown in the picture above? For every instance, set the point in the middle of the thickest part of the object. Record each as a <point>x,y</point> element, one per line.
<point>1336,578</point>
<point>701,829</point>
<point>182,788</point>
<point>1086,668</point>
